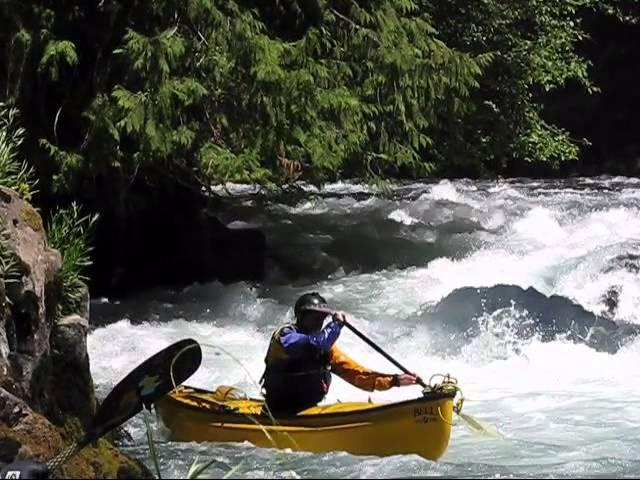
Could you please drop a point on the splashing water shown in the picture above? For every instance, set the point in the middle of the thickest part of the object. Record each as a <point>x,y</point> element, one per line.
<point>563,409</point>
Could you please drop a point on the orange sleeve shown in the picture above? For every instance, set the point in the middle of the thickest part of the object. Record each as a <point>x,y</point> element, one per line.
<point>357,375</point>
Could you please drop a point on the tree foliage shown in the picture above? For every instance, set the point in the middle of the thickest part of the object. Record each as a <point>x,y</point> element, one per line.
<point>203,91</point>
<point>126,103</point>
<point>207,90</point>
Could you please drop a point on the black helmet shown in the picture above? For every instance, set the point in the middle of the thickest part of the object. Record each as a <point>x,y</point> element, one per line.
<point>310,301</point>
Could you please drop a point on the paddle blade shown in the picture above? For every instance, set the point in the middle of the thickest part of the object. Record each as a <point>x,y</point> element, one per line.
<point>480,427</point>
<point>146,384</point>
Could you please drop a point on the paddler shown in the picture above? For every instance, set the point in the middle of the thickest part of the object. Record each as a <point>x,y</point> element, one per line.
<point>301,357</point>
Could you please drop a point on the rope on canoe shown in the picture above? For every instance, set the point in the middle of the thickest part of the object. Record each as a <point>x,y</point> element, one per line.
<point>450,384</point>
<point>447,384</point>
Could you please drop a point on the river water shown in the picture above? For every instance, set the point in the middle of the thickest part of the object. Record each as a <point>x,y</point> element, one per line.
<point>561,409</point>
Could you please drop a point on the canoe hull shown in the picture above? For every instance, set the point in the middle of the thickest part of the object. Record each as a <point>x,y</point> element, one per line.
<point>421,426</point>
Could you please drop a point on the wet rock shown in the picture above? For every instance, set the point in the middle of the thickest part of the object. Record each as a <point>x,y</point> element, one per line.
<point>47,395</point>
<point>548,318</point>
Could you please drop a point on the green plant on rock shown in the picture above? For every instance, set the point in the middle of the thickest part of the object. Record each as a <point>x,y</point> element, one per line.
<point>70,233</point>
<point>14,172</point>
<point>9,268</point>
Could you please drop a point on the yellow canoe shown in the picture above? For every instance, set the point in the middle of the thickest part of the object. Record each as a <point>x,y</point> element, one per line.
<point>419,426</point>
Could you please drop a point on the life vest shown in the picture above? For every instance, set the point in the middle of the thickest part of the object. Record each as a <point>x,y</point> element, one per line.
<point>295,383</point>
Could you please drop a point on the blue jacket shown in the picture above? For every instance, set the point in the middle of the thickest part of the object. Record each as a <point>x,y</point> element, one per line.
<point>295,343</point>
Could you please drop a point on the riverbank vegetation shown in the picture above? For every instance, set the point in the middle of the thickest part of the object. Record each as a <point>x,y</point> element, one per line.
<point>131,107</point>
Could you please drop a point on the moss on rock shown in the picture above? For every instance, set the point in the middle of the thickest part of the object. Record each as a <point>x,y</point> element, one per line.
<point>32,218</point>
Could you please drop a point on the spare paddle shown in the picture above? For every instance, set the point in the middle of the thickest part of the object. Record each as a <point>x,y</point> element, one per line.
<point>146,384</point>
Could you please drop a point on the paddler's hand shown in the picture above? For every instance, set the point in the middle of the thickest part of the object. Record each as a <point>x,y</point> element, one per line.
<point>340,317</point>
<point>407,379</point>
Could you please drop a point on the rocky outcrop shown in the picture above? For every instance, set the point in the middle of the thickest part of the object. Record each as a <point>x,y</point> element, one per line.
<point>71,384</point>
<point>46,390</point>
<point>548,318</point>
<point>30,300</point>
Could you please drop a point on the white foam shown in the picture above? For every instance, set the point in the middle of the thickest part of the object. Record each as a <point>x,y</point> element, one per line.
<point>347,187</point>
<point>444,190</point>
<point>232,189</point>
<point>402,217</point>
<point>540,225</point>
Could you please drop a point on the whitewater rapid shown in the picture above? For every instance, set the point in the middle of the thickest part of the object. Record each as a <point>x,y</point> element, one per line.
<point>561,409</point>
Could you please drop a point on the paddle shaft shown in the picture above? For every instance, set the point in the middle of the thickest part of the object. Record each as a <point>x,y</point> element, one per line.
<point>65,455</point>
<point>380,351</point>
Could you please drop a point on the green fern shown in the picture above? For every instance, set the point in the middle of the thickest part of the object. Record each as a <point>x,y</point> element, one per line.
<point>58,53</point>
<point>14,172</point>
<point>70,233</point>
<point>9,266</point>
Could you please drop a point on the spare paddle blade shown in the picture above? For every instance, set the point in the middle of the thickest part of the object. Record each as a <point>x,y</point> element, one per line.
<point>146,384</point>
